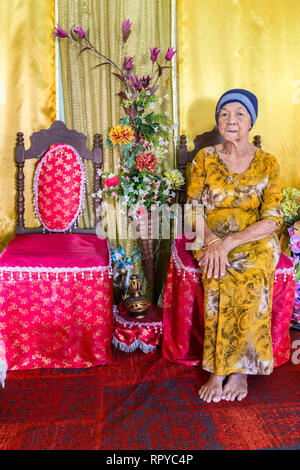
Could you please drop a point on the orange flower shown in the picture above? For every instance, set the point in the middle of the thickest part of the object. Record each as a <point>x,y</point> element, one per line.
<point>146,161</point>
<point>121,134</point>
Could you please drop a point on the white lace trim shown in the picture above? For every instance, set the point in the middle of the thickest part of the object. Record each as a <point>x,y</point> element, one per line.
<point>196,272</point>
<point>130,324</point>
<point>3,370</point>
<point>32,272</point>
<point>63,270</point>
<point>146,348</point>
<point>82,188</point>
<point>285,272</point>
<point>3,363</point>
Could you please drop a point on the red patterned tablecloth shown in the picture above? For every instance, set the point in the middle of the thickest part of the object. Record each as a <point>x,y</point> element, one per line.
<point>131,333</point>
<point>56,302</point>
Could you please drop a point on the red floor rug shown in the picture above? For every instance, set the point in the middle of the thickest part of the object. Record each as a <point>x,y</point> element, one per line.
<point>145,402</point>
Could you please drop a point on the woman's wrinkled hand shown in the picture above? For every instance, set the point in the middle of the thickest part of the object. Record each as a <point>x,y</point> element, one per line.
<point>213,259</point>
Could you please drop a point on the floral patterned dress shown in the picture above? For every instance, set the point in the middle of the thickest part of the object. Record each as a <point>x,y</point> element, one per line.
<point>238,305</point>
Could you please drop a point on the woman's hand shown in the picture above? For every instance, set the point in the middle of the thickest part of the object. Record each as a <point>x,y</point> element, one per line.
<point>213,259</point>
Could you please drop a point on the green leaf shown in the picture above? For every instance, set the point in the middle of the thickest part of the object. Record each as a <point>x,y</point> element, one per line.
<point>125,121</point>
<point>108,143</point>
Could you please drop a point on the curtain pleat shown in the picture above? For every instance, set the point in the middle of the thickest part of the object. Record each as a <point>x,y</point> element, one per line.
<point>248,44</point>
<point>27,95</point>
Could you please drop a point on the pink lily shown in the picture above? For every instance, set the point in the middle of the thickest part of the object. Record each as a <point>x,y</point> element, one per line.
<point>145,81</point>
<point>170,53</point>
<point>135,82</point>
<point>59,32</point>
<point>126,25</point>
<point>126,30</point>
<point>154,53</point>
<point>78,30</point>
<point>128,63</point>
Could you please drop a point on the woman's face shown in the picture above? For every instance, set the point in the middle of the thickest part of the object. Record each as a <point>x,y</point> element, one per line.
<point>234,122</point>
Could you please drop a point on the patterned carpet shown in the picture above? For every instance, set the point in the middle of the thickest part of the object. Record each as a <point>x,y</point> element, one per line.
<point>144,402</point>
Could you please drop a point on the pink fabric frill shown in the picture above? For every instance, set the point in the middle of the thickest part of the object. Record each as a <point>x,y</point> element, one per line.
<point>133,333</point>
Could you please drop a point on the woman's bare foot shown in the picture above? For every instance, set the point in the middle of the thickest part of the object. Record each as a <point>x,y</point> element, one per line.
<point>236,387</point>
<point>213,389</point>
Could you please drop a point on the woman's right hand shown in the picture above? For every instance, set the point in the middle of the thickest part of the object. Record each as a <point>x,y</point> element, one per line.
<point>213,259</point>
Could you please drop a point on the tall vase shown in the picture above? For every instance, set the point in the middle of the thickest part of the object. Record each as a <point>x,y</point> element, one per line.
<point>148,229</point>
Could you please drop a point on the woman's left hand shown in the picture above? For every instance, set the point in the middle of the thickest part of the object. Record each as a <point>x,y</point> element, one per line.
<point>213,259</point>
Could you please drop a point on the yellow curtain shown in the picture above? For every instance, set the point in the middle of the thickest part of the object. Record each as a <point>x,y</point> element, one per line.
<point>27,94</point>
<point>90,95</point>
<point>250,44</point>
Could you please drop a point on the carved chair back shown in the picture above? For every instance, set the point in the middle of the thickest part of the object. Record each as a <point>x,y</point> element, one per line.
<point>58,133</point>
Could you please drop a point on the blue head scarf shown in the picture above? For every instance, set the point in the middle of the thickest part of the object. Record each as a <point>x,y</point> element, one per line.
<point>245,97</point>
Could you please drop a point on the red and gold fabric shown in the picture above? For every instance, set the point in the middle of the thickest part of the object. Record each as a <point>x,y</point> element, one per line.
<point>55,302</point>
<point>183,308</point>
<point>132,333</point>
<point>59,187</point>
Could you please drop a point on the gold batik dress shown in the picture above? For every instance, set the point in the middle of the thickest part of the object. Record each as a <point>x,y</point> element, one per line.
<point>238,305</point>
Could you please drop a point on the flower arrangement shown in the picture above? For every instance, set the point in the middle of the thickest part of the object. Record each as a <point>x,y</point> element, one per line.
<point>142,134</point>
<point>290,206</point>
<point>294,234</point>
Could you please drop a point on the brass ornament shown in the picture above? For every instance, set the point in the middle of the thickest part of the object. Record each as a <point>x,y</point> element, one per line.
<point>135,302</point>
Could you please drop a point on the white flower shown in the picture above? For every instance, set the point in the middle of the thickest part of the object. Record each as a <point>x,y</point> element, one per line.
<point>175,180</point>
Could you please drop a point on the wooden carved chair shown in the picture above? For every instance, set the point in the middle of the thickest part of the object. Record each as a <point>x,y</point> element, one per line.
<point>183,307</point>
<point>55,280</point>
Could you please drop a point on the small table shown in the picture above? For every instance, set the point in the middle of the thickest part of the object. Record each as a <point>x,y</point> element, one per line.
<point>131,333</point>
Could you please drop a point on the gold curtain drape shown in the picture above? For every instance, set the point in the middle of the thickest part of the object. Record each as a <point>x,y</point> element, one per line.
<point>27,94</point>
<point>250,44</point>
<point>90,95</point>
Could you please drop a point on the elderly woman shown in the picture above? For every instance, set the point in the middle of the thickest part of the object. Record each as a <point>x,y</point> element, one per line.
<point>239,187</point>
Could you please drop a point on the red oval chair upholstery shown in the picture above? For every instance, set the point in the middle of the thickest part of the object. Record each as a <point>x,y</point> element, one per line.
<point>59,176</point>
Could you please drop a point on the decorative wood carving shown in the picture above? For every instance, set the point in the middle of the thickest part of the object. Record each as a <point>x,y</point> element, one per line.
<point>19,158</point>
<point>40,142</point>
